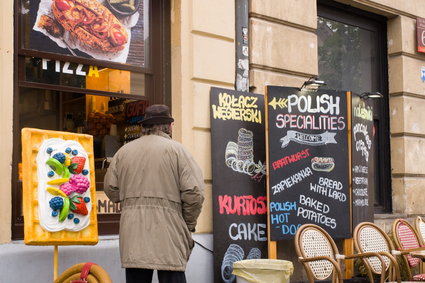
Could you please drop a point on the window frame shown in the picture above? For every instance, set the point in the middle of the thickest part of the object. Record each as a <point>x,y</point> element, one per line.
<point>356,17</point>
<point>157,90</point>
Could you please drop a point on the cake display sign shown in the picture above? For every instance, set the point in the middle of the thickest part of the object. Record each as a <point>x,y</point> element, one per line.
<point>64,199</point>
<point>58,188</point>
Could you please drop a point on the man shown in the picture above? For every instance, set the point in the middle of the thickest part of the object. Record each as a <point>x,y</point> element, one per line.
<point>160,188</point>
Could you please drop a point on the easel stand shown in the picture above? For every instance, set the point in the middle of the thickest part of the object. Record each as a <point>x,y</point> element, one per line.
<point>55,262</point>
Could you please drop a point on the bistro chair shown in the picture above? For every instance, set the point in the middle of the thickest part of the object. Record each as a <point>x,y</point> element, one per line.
<point>368,237</point>
<point>420,229</point>
<point>319,254</point>
<point>406,240</point>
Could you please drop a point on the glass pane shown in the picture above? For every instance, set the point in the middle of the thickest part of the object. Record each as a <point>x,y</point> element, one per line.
<point>83,76</point>
<point>105,205</point>
<point>108,32</point>
<point>111,121</point>
<point>346,56</point>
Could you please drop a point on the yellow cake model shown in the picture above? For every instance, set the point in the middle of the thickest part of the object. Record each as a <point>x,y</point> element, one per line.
<point>59,193</point>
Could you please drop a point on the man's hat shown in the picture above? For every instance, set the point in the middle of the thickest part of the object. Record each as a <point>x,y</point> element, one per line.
<point>157,114</point>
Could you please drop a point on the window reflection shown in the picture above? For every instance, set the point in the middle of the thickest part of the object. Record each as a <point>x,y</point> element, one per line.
<point>346,55</point>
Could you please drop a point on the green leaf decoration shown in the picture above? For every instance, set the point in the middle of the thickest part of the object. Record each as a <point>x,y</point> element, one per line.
<point>75,199</point>
<point>73,166</point>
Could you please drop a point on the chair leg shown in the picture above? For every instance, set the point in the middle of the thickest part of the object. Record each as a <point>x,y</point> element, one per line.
<point>369,275</point>
<point>336,278</point>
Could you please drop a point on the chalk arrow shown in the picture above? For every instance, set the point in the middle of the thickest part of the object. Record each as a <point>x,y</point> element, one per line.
<point>281,103</point>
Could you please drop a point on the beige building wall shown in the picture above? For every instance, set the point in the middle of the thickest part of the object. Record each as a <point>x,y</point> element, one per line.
<point>203,55</point>
<point>6,119</point>
<point>407,108</point>
<point>283,46</point>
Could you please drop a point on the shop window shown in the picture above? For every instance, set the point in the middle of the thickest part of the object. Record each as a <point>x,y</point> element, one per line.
<point>61,85</point>
<point>352,56</point>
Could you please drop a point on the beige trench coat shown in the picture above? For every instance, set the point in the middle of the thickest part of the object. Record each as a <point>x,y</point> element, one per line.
<point>161,189</point>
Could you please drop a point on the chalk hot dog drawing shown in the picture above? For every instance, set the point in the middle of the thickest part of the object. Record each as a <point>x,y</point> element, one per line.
<point>91,23</point>
<point>324,164</point>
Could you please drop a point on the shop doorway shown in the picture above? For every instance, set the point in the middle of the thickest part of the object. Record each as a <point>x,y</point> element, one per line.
<point>353,56</point>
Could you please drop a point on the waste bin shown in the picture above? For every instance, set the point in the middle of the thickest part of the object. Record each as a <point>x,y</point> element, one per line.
<point>262,270</point>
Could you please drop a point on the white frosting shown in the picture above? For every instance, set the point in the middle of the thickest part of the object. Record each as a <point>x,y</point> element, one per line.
<point>47,221</point>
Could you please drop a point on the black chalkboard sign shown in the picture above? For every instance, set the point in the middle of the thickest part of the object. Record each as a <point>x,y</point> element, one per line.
<point>238,171</point>
<point>307,153</point>
<point>362,159</point>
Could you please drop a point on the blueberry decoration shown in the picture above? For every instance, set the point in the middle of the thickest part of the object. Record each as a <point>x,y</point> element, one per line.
<point>60,157</point>
<point>68,150</point>
<point>51,174</point>
<point>49,150</point>
<point>74,152</point>
<point>56,203</point>
<point>76,220</point>
<point>70,216</point>
<point>86,199</point>
<point>55,213</point>
<point>85,172</point>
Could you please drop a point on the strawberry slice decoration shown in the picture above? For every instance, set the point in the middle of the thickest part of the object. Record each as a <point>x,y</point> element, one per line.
<point>77,164</point>
<point>78,205</point>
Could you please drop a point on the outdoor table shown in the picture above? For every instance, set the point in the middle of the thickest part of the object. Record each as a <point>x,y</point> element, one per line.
<point>418,254</point>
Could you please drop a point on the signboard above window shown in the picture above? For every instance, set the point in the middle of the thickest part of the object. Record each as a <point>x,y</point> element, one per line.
<point>420,30</point>
<point>104,30</point>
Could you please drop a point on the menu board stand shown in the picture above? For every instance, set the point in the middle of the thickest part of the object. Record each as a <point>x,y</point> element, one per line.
<point>363,158</point>
<point>308,161</point>
<point>238,173</point>
<point>319,157</point>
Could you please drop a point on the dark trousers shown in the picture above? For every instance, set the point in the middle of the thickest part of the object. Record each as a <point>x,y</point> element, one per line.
<point>139,275</point>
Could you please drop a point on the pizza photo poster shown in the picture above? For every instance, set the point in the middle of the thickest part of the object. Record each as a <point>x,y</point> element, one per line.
<point>93,29</point>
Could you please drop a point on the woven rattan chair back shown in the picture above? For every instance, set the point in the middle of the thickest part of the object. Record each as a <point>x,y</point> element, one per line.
<point>406,238</point>
<point>370,238</point>
<point>311,241</point>
<point>420,229</point>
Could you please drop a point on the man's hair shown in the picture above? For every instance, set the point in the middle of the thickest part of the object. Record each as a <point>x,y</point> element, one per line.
<point>155,129</point>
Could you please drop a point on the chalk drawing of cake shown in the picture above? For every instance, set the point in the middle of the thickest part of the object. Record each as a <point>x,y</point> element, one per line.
<point>240,156</point>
